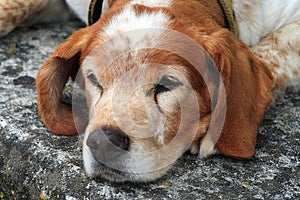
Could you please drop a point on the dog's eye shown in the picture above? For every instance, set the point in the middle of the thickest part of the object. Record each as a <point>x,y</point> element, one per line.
<point>166,84</point>
<point>93,79</point>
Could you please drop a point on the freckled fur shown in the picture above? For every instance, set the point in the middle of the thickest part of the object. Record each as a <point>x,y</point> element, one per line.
<point>248,75</point>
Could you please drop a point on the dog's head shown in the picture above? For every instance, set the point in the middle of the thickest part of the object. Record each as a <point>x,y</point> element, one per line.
<point>155,87</point>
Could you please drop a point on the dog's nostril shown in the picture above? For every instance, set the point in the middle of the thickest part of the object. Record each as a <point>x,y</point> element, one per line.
<point>117,137</point>
<point>100,139</point>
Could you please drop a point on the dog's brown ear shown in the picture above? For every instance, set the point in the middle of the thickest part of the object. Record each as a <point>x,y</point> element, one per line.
<point>51,80</point>
<point>248,84</point>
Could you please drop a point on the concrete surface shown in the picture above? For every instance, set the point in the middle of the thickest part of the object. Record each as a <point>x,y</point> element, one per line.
<point>35,164</point>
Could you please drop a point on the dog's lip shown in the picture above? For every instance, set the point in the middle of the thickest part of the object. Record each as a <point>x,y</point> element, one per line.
<point>110,174</point>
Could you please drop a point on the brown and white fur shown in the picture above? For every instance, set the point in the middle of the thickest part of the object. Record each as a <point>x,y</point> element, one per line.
<point>122,63</point>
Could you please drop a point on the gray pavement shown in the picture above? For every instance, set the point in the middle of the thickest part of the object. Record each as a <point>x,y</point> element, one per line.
<point>35,164</point>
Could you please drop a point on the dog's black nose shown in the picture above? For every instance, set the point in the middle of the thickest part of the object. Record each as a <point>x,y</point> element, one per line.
<point>107,143</point>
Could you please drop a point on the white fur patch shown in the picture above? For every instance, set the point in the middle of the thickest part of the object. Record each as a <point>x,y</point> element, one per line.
<point>128,20</point>
<point>258,18</point>
<point>207,147</point>
<point>104,7</point>
<point>80,8</point>
<point>152,3</point>
<point>281,50</point>
<point>128,30</point>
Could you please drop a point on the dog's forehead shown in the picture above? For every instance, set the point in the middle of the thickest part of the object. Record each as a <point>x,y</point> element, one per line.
<point>118,46</point>
<point>137,65</point>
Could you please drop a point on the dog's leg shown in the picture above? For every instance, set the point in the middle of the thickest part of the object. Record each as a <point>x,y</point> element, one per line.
<point>281,51</point>
<point>12,13</point>
<point>21,12</point>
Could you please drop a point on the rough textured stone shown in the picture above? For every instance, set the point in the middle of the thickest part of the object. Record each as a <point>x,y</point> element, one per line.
<point>35,164</point>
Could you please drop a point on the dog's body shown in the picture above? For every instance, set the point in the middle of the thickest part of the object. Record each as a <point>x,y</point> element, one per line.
<point>165,76</point>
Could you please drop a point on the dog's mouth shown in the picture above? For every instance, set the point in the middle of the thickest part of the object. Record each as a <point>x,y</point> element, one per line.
<point>120,170</point>
<point>110,174</point>
<point>103,171</point>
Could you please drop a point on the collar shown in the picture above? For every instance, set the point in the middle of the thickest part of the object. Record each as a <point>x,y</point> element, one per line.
<point>96,7</point>
<point>228,11</point>
<point>95,10</point>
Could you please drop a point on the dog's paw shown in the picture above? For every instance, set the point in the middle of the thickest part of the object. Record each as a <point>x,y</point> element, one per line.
<point>195,147</point>
<point>204,148</point>
<point>207,147</point>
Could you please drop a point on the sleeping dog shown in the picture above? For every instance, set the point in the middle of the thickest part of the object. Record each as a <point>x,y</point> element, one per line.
<point>161,77</point>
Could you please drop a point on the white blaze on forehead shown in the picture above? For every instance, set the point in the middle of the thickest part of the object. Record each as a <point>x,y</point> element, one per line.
<point>130,30</point>
<point>128,20</point>
<point>152,3</point>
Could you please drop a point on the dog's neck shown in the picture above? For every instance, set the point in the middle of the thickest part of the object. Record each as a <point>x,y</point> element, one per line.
<point>221,11</point>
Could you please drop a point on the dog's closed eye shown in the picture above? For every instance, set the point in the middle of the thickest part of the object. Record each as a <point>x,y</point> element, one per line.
<point>93,79</point>
<point>165,84</point>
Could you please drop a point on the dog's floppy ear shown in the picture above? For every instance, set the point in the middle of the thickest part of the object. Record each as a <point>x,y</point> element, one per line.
<point>248,84</point>
<point>51,80</point>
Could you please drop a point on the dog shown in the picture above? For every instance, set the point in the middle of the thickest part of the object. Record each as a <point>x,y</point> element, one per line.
<point>162,77</point>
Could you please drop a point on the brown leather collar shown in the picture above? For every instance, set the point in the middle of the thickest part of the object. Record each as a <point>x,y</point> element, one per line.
<point>228,11</point>
<point>95,9</point>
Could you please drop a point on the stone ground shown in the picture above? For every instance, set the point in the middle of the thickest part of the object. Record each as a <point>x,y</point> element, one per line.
<point>35,164</point>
